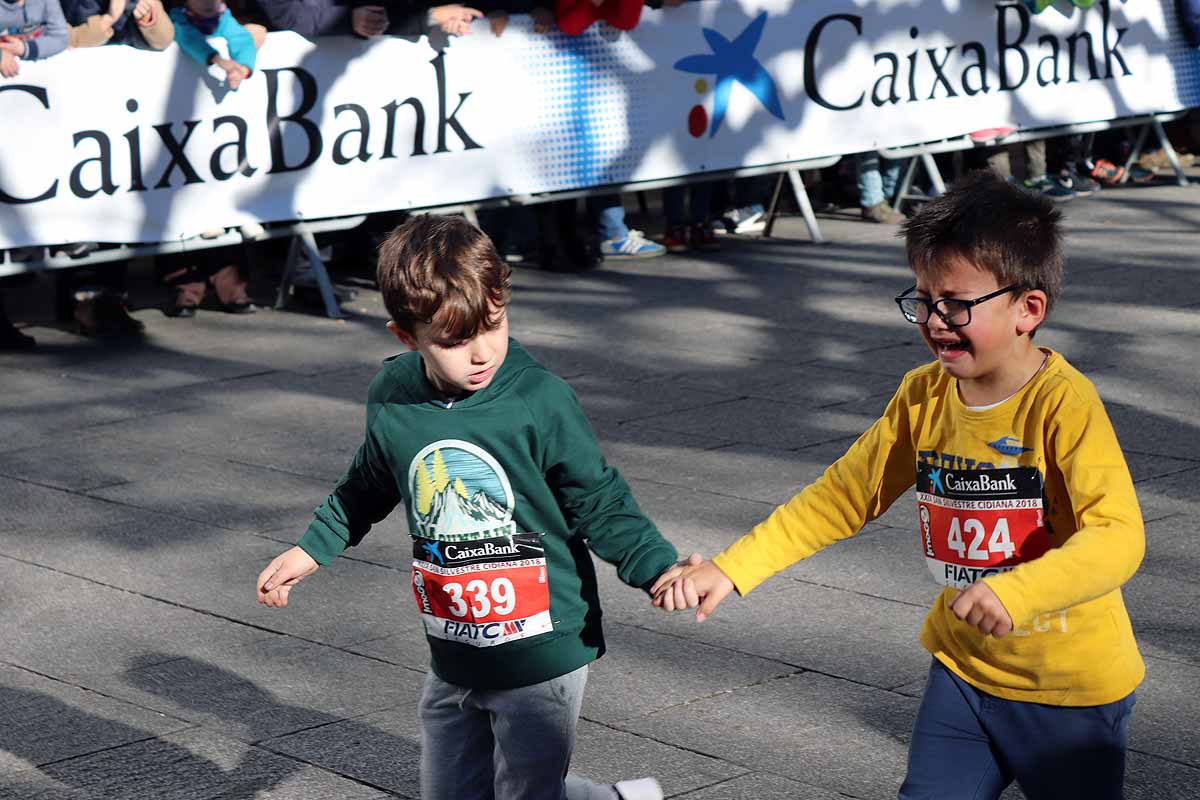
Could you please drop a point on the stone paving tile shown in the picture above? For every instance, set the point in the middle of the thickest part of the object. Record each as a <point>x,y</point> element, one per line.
<point>644,671</point>
<point>741,471</point>
<point>1164,619</point>
<point>220,492</point>
<point>382,748</point>
<point>606,755</point>
<point>46,721</point>
<point>28,504</point>
<point>812,384</point>
<point>190,765</point>
<point>1162,432</point>
<point>1167,702</point>
<point>865,639</point>
<point>1176,493</point>
<point>214,571</point>
<point>1149,778</point>
<point>40,406</point>
<point>760,786</point>
<point>767,423</point>
<point>606,400</point>
<point>840,736</point>
<point>264,689</point>
<point>78,631</point>
<point>1171,550</point>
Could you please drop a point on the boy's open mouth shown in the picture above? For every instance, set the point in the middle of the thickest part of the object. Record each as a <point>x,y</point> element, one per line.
<point>952,348</point>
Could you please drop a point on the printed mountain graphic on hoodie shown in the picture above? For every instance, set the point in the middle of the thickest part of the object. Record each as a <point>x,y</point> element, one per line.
<point>453,513</point>
<point>446,508</point>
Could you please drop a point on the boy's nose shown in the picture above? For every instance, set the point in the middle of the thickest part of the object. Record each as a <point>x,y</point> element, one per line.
<point>481,353</point>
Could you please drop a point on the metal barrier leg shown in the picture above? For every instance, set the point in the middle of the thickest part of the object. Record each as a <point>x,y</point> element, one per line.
<point>810,219</point>
<point>304,246</point>
<point>935,177</point>
<point>1136,151</point>
<point>1172,156</point>
<point>289,267</point>
<point>905,184</point>
<point>308,244</point>
<point>773,207</point>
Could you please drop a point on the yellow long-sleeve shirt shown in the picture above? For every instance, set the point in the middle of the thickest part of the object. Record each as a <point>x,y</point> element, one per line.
<point>1032,496</point>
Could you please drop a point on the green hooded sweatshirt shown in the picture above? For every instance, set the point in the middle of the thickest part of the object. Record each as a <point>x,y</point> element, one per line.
<point>505,489</point>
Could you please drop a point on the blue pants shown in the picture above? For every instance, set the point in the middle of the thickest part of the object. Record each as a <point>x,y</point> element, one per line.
<point>969,745</point>
<point>877,182</point>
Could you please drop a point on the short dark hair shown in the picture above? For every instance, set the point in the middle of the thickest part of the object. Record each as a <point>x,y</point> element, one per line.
<point>443,271</point>
<point>995,225</point>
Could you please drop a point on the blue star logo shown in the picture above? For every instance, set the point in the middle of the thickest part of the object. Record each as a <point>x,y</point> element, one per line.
<point>734,61</point>
<point>433,549</point>
<point>935,478</point>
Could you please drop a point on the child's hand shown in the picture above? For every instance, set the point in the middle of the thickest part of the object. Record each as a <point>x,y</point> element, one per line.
<point>116,8</point>
<point>979,606</point>
<point>235,73</point>
<point>369,21</point>
<point>498,20</point>
<point>543,19</point>
<point>13,46</point>
<point>9,66</point>
<point>454,19</point>
<point>698,583</point>
<point>143,12</point>
<point>277,580</point>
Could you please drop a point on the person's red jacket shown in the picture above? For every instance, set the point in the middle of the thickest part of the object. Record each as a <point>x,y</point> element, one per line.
<point>575,16</point>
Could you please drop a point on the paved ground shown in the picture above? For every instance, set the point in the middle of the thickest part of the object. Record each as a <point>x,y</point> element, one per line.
<point>144,487</point>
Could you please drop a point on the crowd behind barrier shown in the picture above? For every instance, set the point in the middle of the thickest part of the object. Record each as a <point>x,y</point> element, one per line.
<point>39,29</point>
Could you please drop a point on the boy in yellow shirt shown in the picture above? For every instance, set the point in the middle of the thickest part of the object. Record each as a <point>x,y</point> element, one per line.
<point>1026,515</point>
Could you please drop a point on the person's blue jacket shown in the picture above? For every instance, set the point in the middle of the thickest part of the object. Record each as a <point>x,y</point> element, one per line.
<point>195,44</point>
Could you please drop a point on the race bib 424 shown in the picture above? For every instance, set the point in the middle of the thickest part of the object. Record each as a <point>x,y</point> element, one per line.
<point>979,522</point>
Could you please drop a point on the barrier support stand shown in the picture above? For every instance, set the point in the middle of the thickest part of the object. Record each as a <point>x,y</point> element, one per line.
<point>806,209</point>
<point>1172,156</point>
<point>1139,144</point>
<point>304,246</point>
<point>936,184</point>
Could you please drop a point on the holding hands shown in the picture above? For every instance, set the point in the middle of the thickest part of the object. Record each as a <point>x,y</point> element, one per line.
<point>694,583</point>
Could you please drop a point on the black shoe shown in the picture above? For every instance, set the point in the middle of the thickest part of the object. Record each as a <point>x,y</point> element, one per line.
<point>99,313</point>
<point>12,340</point>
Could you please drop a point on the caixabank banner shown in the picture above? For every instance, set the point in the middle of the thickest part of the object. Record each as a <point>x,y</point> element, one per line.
<point>119,145</point>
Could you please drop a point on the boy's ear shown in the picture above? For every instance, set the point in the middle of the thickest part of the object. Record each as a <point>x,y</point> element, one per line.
<point>404,336</point>
<point>1032,311</point>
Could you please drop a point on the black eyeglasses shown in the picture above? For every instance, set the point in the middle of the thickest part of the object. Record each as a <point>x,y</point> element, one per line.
<point>954,312</point>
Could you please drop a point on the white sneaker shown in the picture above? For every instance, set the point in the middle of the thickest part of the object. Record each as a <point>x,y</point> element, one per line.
<point>639,789</point>
<point>634,245</point>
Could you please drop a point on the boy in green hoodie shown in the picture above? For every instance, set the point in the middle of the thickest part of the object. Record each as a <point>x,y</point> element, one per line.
<point>505,489</point>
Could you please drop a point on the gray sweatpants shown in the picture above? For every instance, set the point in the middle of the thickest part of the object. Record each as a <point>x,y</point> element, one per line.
<point>503,744</point>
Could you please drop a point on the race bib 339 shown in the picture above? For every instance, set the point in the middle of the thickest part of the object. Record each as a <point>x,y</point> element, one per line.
<point>484,592</point>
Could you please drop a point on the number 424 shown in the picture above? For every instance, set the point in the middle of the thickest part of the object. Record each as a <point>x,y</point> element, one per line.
<point>999,542</point>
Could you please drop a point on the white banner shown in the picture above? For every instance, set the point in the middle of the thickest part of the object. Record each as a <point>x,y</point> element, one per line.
<point>116,144</point>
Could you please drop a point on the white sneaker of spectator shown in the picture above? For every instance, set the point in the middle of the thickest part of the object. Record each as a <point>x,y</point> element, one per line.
<point>634,245</point>
<point>747,219</point>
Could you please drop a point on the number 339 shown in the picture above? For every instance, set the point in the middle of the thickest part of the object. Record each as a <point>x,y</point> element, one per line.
<point>500,597</point>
